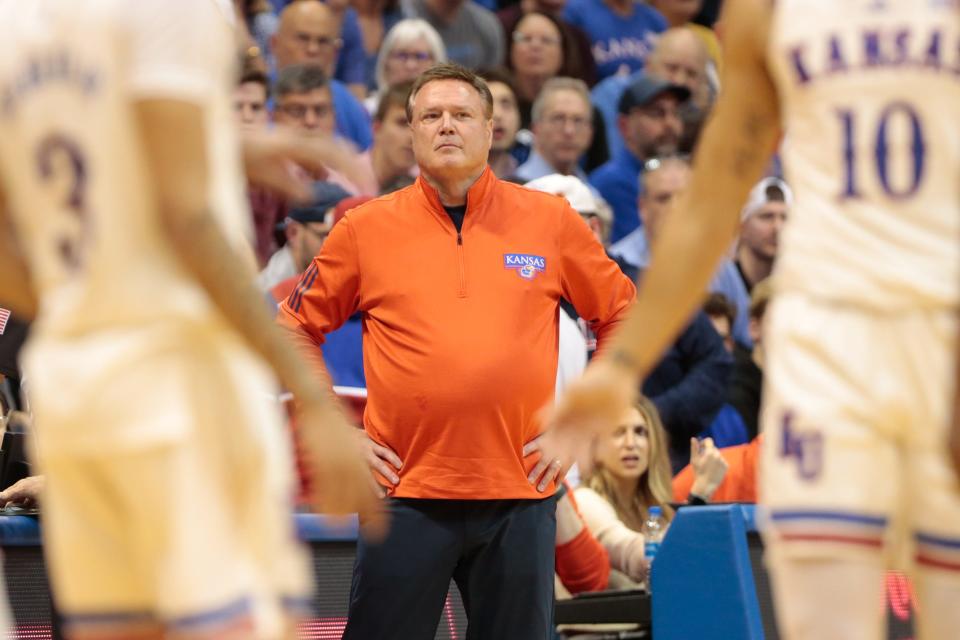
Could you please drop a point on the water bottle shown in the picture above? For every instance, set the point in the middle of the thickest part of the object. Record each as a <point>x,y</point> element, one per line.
<point>653,531</point>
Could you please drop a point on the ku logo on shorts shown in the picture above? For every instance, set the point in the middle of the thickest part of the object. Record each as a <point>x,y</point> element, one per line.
<point>527,266</point>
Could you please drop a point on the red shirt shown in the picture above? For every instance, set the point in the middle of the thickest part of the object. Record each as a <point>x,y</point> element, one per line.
<point>740,483</point>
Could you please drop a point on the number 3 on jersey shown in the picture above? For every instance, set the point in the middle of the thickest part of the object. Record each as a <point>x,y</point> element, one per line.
<point>886,154</point>
<point>60,165</point>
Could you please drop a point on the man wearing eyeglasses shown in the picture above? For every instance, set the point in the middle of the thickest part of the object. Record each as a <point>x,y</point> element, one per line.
<point>309,34</point>
<point>562,130</point>
<point>305,102</point>
<point>649,121</point>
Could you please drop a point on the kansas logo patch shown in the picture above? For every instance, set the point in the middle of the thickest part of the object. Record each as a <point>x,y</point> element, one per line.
<point>526,265</point>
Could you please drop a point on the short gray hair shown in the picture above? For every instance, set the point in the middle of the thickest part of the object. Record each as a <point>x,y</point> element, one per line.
<point>401,33</point>
<point>553,85</point>
<point>300,78</point>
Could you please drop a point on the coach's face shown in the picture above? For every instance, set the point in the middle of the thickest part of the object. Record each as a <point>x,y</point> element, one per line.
<point>452,130</point>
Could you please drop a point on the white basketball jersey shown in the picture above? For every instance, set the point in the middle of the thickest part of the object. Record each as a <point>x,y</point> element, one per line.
<point>73,171</point>
<point>870,103</point>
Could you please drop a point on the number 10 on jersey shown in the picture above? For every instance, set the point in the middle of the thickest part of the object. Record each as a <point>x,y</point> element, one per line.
<point>904,152</point>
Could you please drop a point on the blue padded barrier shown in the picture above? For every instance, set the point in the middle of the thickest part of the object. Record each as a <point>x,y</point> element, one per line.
<point>19,531</point>
<point>24,531</point>
<point>703,584</point>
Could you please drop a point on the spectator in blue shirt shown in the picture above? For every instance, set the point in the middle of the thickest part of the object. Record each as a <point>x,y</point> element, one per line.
<point>351,68</point>
<point>622,32</point>
<point>650,124</point>
<point>762,219</point>
<point>376,18</point>
<point>679,57</point>
<point>309,34</point>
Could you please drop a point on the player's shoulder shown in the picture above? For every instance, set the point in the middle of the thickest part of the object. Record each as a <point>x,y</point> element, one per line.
<point>194,14</point>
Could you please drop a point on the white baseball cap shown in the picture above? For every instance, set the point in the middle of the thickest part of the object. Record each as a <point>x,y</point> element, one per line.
<point>759,197</point>
<point>570,187</point>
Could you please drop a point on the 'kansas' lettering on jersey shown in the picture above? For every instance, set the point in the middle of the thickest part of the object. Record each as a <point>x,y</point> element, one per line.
<point>43,69</point>
<point>870,106</point>
<point>873,49</point>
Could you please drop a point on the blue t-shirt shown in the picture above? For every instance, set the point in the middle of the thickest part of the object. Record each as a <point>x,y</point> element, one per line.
<point>616,40</point>
<point>343,354</point>
<point>728,281</point>
<point>352,59</point>
<point>353,121</point>
<point>605,96</point>
<point>618,181</point>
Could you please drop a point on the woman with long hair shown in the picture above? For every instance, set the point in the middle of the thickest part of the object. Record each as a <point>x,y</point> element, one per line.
<point>631,473</point>
<point>538,50</point>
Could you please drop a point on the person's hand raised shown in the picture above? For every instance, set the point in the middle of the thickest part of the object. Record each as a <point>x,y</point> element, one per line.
<point>709,467</point>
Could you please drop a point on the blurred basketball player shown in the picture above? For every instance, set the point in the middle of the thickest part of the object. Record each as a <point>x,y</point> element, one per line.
<point>168,474</point>
<point>862,340</point>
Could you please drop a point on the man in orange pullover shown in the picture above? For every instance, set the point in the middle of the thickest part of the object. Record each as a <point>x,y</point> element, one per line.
<point>459,279</point>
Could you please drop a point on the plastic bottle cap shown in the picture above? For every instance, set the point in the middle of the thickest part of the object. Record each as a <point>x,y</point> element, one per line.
<point>655,512</point>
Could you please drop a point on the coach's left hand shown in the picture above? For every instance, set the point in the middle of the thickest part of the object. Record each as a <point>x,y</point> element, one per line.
<point>550,467</point>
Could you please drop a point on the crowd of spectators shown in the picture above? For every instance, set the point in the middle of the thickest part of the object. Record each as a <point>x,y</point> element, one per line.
<point>599,101</point>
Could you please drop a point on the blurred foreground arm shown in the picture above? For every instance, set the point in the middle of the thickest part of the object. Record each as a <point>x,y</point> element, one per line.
<point>731,156</point>
<point>178,164</point>
<point>282,160</point>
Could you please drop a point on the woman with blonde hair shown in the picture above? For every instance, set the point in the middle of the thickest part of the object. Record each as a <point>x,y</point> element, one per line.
<point>631,473</point>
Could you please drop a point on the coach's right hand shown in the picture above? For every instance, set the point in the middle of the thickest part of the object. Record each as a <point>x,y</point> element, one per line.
<point>383,462</point>
<point>339,473</point>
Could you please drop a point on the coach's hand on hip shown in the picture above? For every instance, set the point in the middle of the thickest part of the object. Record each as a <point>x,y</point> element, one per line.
<point>383,462</point>
<point>550,467</point>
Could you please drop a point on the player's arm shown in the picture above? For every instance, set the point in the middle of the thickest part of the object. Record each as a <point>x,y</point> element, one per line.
<point>732,154</point>
<point>178,165</point>
<point>275,158</point>
<point>954,443</point>
<point>16,290</point>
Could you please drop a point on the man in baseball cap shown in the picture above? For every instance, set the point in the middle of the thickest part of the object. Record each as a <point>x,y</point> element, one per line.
<point>650,124</point>
<point>305,229</point>
<point>761,220</point>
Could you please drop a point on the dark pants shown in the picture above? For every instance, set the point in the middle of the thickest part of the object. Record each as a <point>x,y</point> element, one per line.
<point>499,552</point>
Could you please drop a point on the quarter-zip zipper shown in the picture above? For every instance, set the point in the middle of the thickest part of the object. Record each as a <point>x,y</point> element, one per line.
<point>462,291</point>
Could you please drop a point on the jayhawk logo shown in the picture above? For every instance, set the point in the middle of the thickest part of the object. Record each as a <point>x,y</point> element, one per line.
<point>526,265</point>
